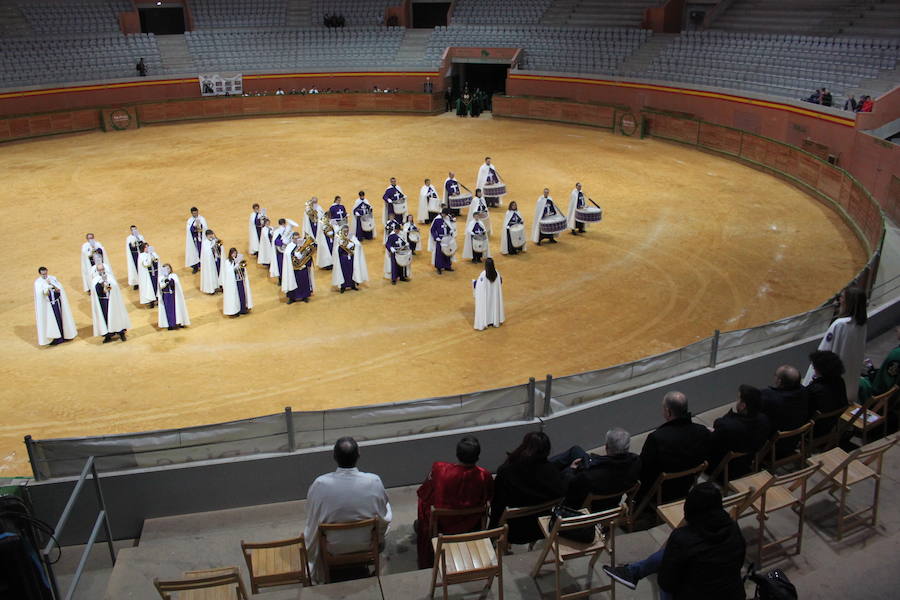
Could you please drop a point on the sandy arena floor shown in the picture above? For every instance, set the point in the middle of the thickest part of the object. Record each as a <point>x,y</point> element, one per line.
<point>690,243</point>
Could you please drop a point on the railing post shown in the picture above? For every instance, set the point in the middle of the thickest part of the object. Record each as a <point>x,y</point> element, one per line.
<point>289,423</point>
<point>29,448</point>
<point>102,502</point>
<point>529,402</point>
<point>714,350</point>
<point>548,388</point>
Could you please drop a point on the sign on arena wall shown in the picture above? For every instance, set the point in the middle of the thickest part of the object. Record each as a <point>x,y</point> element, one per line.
<point>217,84</point>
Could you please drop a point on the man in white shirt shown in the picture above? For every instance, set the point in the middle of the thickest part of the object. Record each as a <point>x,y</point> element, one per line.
<point>345,495</point>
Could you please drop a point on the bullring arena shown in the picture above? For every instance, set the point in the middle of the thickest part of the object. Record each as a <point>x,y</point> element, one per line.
<point>743,153</point>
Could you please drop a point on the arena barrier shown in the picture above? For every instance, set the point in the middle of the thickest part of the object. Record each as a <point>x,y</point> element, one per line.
<point>291,431</point>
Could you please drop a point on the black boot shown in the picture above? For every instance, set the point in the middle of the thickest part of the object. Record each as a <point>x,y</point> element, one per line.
<point>171,327</point>
<point>195,269</point>
<point>122,335</point>
<point>135,287</point>
<point>107,338</point>
<point>290,300</point>
<point>306,300</point>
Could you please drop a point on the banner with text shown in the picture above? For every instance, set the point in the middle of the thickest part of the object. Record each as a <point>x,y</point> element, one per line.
<point>217,84</point>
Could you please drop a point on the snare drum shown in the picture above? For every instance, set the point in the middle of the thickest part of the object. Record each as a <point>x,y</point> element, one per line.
<point>413,237</point>
<point>460,201</point>
<point>517,235</point>
<point>589,214</point>
<point>448,245</point>
<point>481,216</point>
<point>492,190</point>
<point>403,256</point>
<point>553,224</point>
<point>479,243</point>
<point>399,206</point>
<point>367,222</point>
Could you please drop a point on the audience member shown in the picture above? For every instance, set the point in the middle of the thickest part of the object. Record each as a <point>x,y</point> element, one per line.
<point>846,337</point>
<point>141,68</point>
<point>345,495</point>
<point>676,445</point>
<point>866,104</point>
<point>702,559</point>
<point>826,391</point>
<point>850,103</point>
<point>449,485</point>
<point>587,473</point>
<point>878,381</point>
<point>815,97</point>
<point>525,479</point>
<point>786,405</point>
<point>827,99</point>
<point>742,429</point>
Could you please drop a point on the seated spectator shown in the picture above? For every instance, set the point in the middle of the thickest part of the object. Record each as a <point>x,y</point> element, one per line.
<point>826,391</point>
<point>866,104</point>
<point>786,405</point>
<point>343,496</point>
<point>743,429</point>
<point>815,97</point>
<point>878,381</point>
<point>850,103</point>
<point>676,445</point>
<point>141,68</point>
<point>448,485</point>
<point>279,92</point>
<point>827,99</point>
<point>595,474</point>
<point>702,559</point>
<point>525,479</point>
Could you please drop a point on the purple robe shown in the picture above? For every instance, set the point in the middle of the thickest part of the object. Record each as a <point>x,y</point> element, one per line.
<point>395,241</point>
<point>337,212</point>
<point>513,220</point>
<point>154,271</point>
<point>549,209</point>
<point>390,195</point>
<point>359,211</point>
<point>168,298</point>
<point>346,260</point>
<point>258,223</point>
<point>451,186</point>
<point>103,298</point>
<point>438,230</point>
<point>197,236</point>
<point>279,256</point>
<point>242,293</point>
<point>56,305</point>
<point>304,285</point>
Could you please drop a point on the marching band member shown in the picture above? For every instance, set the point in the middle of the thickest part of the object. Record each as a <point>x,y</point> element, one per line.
<point>488,297</point>
<point>512,217</point>
<point>451,188</point>
<point>576,201</point>
<point>266,250</point>
<point>325,244</point>
<point>149,274</point>
<point>441,227</point>
<point>173,312</point>
<point>410,233</point>
<point>479,205</point>
<point>477,244</point>
<point>544,208</point>
<point>337,213</point>
<point>52,313</point>
<point>236,297</point>
<point>132,251</point>
<point>255,227</point>
<point>210,263</point>
<point>92,253</point>
<point>281,237</point>
<point>394,243</point>
<point>487,174</point>
<point>389,227</point>
<point>312,217</point>
<point>362,210</point>
<point>393,196</point>
<point>429,203</point>
<point>298,281</point>
<point>349,261</point>
<point>193,239</point>
<point>108,307</point>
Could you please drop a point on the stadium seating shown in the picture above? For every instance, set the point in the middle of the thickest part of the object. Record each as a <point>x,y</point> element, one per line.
<point>356,13</point>
<point>236,13</point>
<point>81,16</point>
<point>511,12</point>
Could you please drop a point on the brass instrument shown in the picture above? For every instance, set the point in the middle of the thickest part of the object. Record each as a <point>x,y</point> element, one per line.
<point>344,243</point>
<point>216,247</point>
<point>302,254</point>
<point>106,284</point>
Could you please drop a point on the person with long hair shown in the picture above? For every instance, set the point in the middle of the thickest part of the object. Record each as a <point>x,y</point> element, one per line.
<point>846,337</point>
<point>488,297</point>
<point>236,297</point>
<point>827,391</point>
<point>526,478</point>
<point>512,238</point>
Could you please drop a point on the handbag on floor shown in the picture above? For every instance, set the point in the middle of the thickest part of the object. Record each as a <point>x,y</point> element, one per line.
<point>582,535</point>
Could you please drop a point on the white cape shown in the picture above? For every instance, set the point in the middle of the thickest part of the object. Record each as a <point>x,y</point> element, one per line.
<point>231,302</point>
<point>360,269</point>
<point>209,277</point>
<point>483,172</point>
<point>145,281</point>
<point>467,244</point>
<point>86,263</point>
<point>429,201</point>
<point>474,206</point>
<point>133,278</point>
<point>402,216</point>
<point>288,281</point>
<point>848,340</point>
<point>252,236</point>
<point>117,316</point>
<point>181,312</point>
<point>488,302</point>
<point>323,254</point>
<point>353,213</point>
<point>47,328</point>
<point>266,250</point>
<point>191,257</point>
<point>308,223</point>
<point>504,243</point>
<point>538,213</point>
<point>573,204</point>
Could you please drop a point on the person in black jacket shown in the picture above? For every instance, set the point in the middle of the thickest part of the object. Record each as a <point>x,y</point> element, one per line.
<point>702,559</point>
<point>743,429</point>
<point>676,445</point>
<point>826,391</point>
<point>525,479</point>
<point>786,405</point>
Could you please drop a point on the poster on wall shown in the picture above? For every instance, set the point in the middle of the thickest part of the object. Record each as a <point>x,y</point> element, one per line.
<point>217,84</point>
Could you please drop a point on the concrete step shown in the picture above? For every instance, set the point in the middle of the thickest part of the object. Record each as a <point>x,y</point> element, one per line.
<point>299,13</point>
<point>655,45</point>
<point>414,44</point>
<point>174,54</point>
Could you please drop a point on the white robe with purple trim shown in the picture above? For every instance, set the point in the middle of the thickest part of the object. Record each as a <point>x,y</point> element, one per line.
<point>429,202</point>
<point>133,278</point>
<point>181,312</point>
<point>47,327</point>
<point>86,262</point>
<point>488,301</point>
<point>191,257</point>
<point>504,236</point>
<point>231,301</point>
<point>360,269</point>
<point>209,276</point>
<point>145,279</point>
<point>252,236</point>
<point>266,250</point>
<point>116,315</point>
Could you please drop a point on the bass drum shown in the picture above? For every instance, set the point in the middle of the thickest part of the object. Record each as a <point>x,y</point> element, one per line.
<point>412,236</point>
<point>400,206</point>
<point>367,222</point>
<point>589,214</point>
<point>448,245</point>
<point>479,243</point>
<point>517,235</point>
<point>553,224</point>
<point>403,256</point>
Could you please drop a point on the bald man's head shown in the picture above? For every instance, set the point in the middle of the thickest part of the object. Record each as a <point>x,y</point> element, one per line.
<point>787,377</point>
<point>675,405</point>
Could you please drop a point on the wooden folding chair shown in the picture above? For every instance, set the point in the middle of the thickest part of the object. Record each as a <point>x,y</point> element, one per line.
<point>720,474</point>
<point>768,454</point>
<point>444,513</point>
<point>469,557</point>
<point>735,504</point>
<point>370,555</point>
<point>654,494</point>
<point>832,437</point>
<point>536,510</point>
<point>625,497</point>
<point>281,562</point>
<point>564,549</point>
<point>210,584</point>
<point>872,414</point>
<point>844,470</point>
<point>774,493</point>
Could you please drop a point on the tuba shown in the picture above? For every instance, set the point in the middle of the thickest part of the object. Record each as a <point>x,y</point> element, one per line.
<point>302,254</point>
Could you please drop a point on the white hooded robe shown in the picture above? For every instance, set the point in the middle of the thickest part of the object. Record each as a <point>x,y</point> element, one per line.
<point>47,327</point>
<point>117,317</point>
<point>488,301</point>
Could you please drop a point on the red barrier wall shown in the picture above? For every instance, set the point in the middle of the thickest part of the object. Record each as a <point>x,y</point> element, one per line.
<point>15,128</point>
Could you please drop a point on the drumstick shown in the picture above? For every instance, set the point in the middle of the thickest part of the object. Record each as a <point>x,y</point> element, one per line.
<point>465,188</point>
<point>594,203</point>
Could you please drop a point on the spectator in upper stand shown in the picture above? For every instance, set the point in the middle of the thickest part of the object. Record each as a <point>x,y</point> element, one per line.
<point>827,391</point>
<point>786,405</point>
<point>866,104</point>
<point>815,97</point>
<point>827,99</point>
<point>141,68</point>
<point>587,473</point>
<point>850,104</point>
<point>525,479</point>
<point>343,496</point>
<point>877,382</point>
<point>429,86</point>
<point>742,429</point>
<point>449,485</point>
<point>676,445</point>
